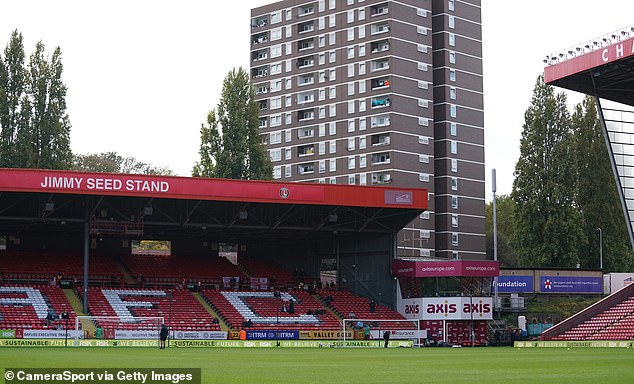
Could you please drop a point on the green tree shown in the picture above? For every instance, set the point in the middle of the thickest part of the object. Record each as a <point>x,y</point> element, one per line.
<point>35,125</point>
<point>548,222</point>
<point>114,163</point>
<point>12,79</point>
<point>597,195</point>
<point>231,146</point>
<point>505,230</point>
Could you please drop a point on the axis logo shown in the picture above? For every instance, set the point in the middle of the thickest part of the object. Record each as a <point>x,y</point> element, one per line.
<point>412,309</point>
<point>445,308</point>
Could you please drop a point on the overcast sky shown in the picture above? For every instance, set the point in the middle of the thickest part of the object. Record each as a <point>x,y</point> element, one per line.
<point>142,75</point>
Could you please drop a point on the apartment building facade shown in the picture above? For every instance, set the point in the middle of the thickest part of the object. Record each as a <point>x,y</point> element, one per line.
<point>387,92</point>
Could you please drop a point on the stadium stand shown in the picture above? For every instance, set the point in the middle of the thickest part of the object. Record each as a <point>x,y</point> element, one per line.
<point>345,304</point>
<point>40,267</point>
<point>184,312</point>
<point>609,319</point>
<point>237,307</point>
<point>169,271</point>
<point>27,307</point>
<point>278,277</point>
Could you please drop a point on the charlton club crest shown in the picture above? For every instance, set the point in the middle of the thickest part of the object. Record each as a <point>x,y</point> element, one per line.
<point>284,192</point>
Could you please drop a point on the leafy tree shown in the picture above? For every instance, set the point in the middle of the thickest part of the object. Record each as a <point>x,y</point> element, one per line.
<point>505,230</point>
<point>597,196</point>
<point>548,222</point>
<point>35,126</point>
<point>12,84</point>
<point>114,163</point>
<point>231,146</point>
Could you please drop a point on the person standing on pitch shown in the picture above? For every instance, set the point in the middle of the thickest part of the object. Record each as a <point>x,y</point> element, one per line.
<point>386,337</point>
<point>163,335</point>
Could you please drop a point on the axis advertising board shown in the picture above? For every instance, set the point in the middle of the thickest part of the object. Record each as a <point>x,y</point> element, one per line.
<point>447,308</point>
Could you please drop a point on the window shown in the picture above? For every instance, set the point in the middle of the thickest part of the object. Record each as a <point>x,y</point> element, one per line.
<point>276,34</point>
<point>362,161</point>
<point>322,112</point>
<point>276,51</point>
<point>350,34</point>
<point>321,41</point>
<point>361,68</point>
<point>453,129</point>
<point>322,58</point>
<point>452,75</point>
<point>288,83</point>
<point>331,38</point>
<point>276,102</point>
<point>454,147</point>
<point>287,171</point>
<point>332,56</point>
<point>350,146</point>
<point>289,14</point>
<point>350,70</point>
<point>332,92</point>
<point>275,85</point>
<point>288,101</point>
<point>351,162</point>
<point>350,15</point>
<point>452,40</point>
<point>322,5</point>
<point>454,165</point>
<point>452,57</point>
<point>288,152</point>
<point>288,138</point>
<point>361,86</point>
<point>423,158</point>
<point>452,93</point>
<point>332,4</point>
<point>350,89</point>
<point>332,147</point>
<point>362,141</point>
<point>351,179</point>
<point>288,50</point>
<point>362,177</point>
<point>276,154</point>
<point>454,183</point>
<point>332,75</point>
<point>289,31</point>
<point>277,172</point>
<point>333,165</point>
<point>361,49</point>
<point>287,118</point>
<point>332,128</point>
<point>333,110</point>
<point>350,125</point>
<point>350,107</point>
<point>322,166</point>
<point>322,130</point>
<point>322,23</point>
<point>362,105</point>
<point>275,138</point>
<point>276,120</point>
<point>322,147</point>
<point>453,110</point>
<point>361,14</point>
<point>454,239</point>
<point>333,180</point>
<point>362,124</point>
<point>454,202</point>
<point>331,21</point>
<point>452,21</point>
<point>276,17</point>
<point>424,177</point>
<point>361,31</point>
<point>451,5</point>
<point>276,68</point>
<point>322,76</point>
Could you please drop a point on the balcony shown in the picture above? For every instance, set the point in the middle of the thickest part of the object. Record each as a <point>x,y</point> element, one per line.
<point>305,62</point>
<point>258,22</point>
<point>379,65</point>
<point>378,10</point>
<point>380,121</point>
<point>305,44</point>
<point>305,115</point>
<point>307,168</point>
<point>305,10</point>
<point>381,158</point>
<point>305,150</point>
<point>380,46</point>
<point>381,178</point>
<point>379,140</point>
<point>305,79</point>
<point>305,27</point>
<point>260,55</point>
<point>380,83</point>
<point>380,102</point>
<point>379,28</point>
<point>259,72</point>
<point>260,38</point>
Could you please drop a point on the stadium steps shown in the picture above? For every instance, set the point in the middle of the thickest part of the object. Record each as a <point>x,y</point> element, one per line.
<point>127,276</point>
<point>78,307</point>
<point>209,309</point>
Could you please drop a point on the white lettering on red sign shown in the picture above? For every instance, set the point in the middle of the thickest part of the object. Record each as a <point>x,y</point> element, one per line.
<point>105,184</point>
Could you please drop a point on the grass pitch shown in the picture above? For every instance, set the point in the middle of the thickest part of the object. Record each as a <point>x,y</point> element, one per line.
<point>326,366</point>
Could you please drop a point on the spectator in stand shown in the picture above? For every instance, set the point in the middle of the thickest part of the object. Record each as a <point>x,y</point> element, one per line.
<point>58,279</point>
<point>163,335</point>
<point>291,306</point>
<point>372,306</point>
<point>142,280</point>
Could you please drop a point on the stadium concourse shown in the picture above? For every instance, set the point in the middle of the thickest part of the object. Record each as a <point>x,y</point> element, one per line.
<point>208,257</point>
<point>604,68</point>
